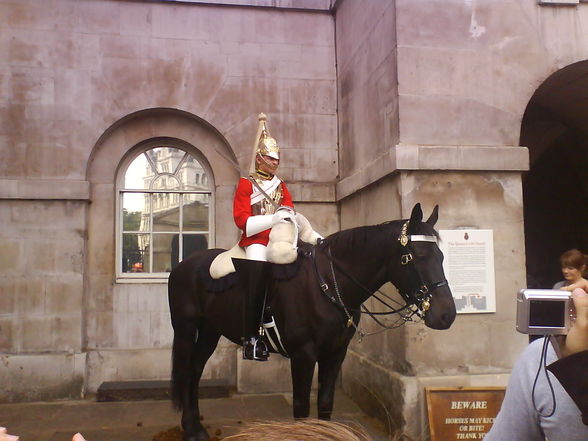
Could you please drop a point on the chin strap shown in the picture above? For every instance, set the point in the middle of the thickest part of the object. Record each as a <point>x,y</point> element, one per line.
<point>270,165</point>
<point>264,175</point>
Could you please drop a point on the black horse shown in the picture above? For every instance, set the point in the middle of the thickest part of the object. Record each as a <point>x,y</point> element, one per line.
<point>313,310</point>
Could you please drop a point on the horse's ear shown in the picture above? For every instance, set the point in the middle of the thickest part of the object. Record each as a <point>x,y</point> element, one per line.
<point>434,216</point>
<point>416,217</point>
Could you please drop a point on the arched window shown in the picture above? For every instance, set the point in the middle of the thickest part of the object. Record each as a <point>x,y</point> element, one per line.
<point>164,211</point>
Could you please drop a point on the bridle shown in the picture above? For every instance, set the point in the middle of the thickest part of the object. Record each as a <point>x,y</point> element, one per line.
<point>420,297</point>
<point>418,300</point>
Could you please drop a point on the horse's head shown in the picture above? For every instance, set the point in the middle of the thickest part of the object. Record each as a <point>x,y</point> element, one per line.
<point>418,271</point>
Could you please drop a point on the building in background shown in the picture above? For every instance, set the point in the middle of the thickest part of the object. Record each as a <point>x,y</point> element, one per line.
<point>125,125</point>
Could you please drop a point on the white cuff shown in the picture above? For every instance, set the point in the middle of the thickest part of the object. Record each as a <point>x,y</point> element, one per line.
<point>257,224</point>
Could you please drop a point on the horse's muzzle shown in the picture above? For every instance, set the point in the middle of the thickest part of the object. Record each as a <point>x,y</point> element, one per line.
<point>444,321</point>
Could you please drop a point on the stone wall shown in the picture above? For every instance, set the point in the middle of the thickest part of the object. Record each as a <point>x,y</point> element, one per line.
<point>367,82</point>
<point>41,286</point>
<point>465,74</point>
<point>84,83</point>
<point>377,105</point>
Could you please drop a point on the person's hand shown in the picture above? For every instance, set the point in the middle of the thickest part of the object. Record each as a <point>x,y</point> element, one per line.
<point>281,215</point>
<point>78,437</point>
<point>577,338</point>
<point>4,436</point>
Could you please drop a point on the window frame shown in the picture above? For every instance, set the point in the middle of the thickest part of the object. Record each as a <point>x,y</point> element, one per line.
<point>120,189</point>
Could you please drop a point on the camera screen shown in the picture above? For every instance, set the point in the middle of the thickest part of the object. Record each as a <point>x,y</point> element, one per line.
<point>545,313</point>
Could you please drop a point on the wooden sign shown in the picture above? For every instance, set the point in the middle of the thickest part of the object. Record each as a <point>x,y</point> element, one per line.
<point>462,413</point>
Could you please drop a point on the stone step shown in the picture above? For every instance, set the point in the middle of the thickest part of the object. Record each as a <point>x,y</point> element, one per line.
<point>156,390</point>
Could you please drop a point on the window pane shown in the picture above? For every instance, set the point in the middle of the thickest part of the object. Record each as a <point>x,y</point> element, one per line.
<point>166,212</point>
<point>135,253</point>
<point>163,222</point>
<point>166,182</point>
<point>190,244</point>
<point>139,174</point>
<point>193,243</point>
<point>196,212</point>
<point>192,175</point>
<point>166,159</point>
<point>135,211</point>
<point>162,253</point>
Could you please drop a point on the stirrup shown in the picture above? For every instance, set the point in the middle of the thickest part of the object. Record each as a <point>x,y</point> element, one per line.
<point>255,349</point>
<point>260,350</point>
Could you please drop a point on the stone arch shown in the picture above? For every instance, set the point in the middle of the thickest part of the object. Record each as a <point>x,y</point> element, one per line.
<point>555,129</point>
<point>113,332</point>
<point>160,122</point>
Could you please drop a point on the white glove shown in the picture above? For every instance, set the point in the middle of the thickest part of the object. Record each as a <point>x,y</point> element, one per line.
<point>257,224</point>
<point>281,215</point>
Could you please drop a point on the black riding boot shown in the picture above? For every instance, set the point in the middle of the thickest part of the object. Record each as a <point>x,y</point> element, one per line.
<point>254,277</point>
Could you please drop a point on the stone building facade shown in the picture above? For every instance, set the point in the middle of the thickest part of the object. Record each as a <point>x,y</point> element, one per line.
<point>377,105</point>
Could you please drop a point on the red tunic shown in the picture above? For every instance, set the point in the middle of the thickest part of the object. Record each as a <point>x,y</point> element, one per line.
<point>242,211</point>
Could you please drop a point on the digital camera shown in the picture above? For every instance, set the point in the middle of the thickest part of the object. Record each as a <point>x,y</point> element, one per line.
<point>544,311</point>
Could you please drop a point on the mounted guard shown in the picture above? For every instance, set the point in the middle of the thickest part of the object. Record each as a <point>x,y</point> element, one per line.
<point>262,201</point>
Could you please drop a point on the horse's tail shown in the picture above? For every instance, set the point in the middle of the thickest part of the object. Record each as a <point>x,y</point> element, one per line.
<point>184,342</point>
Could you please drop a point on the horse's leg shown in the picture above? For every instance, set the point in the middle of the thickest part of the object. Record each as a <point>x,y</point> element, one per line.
<point>302,367</point>
<point>206,343</point>
<point>329,368</point>
<point>192,349</point>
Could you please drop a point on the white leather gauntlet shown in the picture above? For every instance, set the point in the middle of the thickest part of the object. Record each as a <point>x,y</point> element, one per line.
<point>259,223</point>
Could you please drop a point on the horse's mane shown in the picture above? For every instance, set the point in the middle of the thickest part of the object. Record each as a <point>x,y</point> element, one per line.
<point>370,236</point>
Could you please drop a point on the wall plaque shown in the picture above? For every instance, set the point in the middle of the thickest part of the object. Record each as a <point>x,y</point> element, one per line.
<point>462,413</point>
<point>469,268</point>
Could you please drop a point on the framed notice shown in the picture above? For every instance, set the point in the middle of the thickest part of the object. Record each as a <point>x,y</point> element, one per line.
<point>469,268</point>
<point>462,413</point>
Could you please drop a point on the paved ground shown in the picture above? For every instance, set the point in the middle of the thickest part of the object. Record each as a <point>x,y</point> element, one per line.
<point>143,420</point>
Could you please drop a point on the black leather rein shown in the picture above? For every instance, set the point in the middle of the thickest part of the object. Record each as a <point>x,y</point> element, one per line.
<point>417,300</point>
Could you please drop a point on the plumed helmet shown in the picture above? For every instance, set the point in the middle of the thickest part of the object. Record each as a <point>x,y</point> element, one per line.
<point>266,145</point>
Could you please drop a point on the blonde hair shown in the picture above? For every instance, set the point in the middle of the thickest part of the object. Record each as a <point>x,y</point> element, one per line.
<point>305,430</point>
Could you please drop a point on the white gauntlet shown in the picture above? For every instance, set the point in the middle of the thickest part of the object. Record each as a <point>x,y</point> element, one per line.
<point>281,215</point>
<point>262,222</point>
<point>257,224</point>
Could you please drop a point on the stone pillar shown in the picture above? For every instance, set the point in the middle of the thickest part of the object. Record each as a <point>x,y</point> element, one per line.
<point>477,187</point>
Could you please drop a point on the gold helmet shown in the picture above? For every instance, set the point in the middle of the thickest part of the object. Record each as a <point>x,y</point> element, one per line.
<point>266,145</point>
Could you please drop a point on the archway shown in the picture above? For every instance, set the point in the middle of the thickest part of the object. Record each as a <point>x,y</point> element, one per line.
<point>128,332</point>
<point>555,129</point>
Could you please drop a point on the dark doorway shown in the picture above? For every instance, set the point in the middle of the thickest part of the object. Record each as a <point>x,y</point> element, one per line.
<point>555,129</point>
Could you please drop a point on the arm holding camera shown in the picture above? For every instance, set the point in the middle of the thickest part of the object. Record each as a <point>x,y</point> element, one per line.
<point>572,369</point>
<point>581,284</point>
<point>534,407</point>
<point>577,338</point>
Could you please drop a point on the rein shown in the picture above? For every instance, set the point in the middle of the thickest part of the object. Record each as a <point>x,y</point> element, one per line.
<point>417,301</point>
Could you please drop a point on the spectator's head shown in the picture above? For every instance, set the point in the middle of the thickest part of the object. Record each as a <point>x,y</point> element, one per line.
<point>573,265</point>
<point>306,430</point>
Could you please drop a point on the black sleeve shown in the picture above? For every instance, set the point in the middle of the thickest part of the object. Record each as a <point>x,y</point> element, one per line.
<point>572,373</point>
